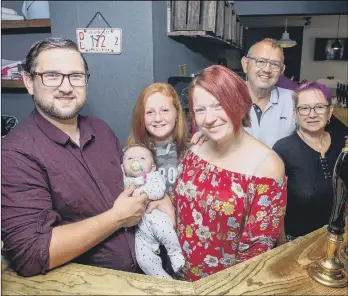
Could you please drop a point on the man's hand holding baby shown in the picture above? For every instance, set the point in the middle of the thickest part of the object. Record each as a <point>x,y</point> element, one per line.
<point>139,191</point>
<point>138,182</point>
<point>130,208</point>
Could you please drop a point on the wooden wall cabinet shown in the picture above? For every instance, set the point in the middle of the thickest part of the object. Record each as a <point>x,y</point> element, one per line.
<point>215,20</point>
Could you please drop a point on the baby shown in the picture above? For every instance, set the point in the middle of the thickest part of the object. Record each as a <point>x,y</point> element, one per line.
<point>155,228</point>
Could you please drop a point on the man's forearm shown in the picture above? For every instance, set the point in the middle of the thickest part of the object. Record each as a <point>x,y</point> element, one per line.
<point>70,241</point>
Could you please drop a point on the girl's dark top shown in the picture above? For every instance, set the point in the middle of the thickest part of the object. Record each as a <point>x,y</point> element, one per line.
<point>310,193</point>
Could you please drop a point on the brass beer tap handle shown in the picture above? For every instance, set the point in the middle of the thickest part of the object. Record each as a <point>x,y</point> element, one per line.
<point>330,270</point>
<point>345,148</point>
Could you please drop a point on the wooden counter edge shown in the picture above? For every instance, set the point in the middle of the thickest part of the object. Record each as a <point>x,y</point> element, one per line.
<point>282,270</point>
<point>81,279</point>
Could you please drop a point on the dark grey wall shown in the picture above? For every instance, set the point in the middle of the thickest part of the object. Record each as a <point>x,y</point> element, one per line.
<point>168,54</point>
<point>15,47</point>
<point>291,7</point>
<point>116,80</point>
<point>292,55</point>
<point>148,55</point>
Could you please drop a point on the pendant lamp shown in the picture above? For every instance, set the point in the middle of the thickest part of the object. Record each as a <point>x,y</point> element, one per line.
<point>286,42</point>
<point>337,44</point>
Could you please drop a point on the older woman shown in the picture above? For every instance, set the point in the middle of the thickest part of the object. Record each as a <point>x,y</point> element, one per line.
<point>230,196</point>
<point>309,156</point>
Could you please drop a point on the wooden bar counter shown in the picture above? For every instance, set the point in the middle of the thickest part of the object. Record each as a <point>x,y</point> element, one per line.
<point>281,271</point>
<point>341,114</point>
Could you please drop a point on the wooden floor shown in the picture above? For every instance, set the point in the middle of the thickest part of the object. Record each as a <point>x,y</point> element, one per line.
<point>281,271</point>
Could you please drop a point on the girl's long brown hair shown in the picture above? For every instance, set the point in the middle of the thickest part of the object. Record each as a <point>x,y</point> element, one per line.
<point>139,134</point>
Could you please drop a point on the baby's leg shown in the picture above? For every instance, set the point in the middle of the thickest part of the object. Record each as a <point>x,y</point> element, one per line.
<point>164,232</point>
<point>145,249</point>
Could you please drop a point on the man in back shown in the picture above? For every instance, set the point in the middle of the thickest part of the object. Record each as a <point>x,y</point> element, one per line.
<point>272,112</point>
<point>62,183</point>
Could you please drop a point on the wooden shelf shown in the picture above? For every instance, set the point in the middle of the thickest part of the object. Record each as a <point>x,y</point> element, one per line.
<point>26,26</point>
<point>205,35</point>
<point>12,84</point>
<point>21,24</point>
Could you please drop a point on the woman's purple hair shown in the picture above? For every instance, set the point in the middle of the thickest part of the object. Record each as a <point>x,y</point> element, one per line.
<point>310,85</point>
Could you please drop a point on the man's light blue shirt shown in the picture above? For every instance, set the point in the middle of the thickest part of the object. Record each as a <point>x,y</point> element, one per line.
<point>277,120</point>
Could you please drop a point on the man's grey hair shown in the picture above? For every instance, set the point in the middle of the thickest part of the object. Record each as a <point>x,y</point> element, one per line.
<point>272,42</point>
<point>46,44</point>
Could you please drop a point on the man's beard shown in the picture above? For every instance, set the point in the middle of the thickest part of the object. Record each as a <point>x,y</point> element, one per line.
<point>53,112</point>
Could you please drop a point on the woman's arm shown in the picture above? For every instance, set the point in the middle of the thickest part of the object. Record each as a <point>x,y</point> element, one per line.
<point>265,223</point>
<point>275,168</point>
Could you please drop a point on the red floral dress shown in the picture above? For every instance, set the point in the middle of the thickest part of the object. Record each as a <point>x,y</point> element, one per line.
<point>224,217</point>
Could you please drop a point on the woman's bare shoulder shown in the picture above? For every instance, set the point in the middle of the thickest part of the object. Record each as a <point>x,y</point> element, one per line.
<point>271,166</point>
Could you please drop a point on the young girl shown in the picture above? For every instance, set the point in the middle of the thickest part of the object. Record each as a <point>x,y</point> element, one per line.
<point>159,122</point>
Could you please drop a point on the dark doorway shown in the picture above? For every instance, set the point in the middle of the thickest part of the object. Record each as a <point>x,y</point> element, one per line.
<point>292,54</point>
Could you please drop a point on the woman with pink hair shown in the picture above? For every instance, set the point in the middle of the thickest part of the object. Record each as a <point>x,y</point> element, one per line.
<point>230,195</point>
<point>309,155</point>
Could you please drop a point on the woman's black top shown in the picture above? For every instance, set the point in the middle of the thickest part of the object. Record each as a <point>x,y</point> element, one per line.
<point>310,193</point>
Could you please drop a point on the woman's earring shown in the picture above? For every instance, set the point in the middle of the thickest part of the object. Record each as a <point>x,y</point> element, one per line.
<point>328,121</point>
<point>296,123</point>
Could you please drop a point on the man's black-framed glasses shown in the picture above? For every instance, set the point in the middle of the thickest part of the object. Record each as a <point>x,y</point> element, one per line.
<point>55,79</point>
<point>318,109</point>
<point>262,62</point>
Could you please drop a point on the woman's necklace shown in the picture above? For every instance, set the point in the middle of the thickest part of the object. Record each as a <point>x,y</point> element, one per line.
<point>322,141</point>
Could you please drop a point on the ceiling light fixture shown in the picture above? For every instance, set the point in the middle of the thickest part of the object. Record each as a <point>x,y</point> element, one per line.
<point>286,42</point>
<point>337,44</point>
<point>308,21</point>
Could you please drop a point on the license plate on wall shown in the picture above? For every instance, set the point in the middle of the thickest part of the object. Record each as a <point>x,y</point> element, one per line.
<point>99,40</point>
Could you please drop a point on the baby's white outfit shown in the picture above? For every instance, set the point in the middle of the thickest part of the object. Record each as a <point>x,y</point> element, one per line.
<point>154,229</point>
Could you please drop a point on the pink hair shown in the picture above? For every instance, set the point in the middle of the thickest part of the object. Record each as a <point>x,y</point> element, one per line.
<point>310,85</point>
<point>229,89</point>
